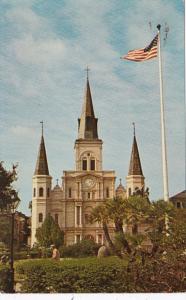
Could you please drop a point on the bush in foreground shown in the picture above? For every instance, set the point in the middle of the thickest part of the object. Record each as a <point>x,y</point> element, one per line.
<point>4,279</point>
<point>89,275</point>
<point>106,275</point>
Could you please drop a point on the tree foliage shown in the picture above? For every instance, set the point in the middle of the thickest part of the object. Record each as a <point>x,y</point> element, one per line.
<point>5,230</point>
<point>163,226</point>
<point>81,249</point>
<point>8,193</point>
<point>49,233</point>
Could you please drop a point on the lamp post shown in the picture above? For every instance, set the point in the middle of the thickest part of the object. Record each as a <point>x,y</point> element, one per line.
<point>12,208</point>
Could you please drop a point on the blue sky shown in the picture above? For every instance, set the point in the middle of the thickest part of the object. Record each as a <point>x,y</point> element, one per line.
<point>45,48</point>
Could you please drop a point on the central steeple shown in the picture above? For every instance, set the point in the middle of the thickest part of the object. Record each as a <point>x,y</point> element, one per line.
<point>88,147</point>
<point>87,128</point>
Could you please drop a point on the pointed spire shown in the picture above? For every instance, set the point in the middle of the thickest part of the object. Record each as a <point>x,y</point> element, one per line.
<point>42,164</point>
<point>135,164</point>
<point>87,122</point>
<point>88,109</point>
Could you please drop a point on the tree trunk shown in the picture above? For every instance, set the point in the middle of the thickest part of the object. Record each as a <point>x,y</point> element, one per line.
<point>109,241</point>
<point>154,250</point>
<point>119,229</point>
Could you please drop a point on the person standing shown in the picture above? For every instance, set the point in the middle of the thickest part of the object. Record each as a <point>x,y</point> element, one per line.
<point>55,253</point>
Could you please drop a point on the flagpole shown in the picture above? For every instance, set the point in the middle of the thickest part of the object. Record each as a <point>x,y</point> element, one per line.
<point>163,137</point>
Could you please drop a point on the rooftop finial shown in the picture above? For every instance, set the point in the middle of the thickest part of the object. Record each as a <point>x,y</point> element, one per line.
<point>120,181</point>
<point>134,128</point>
<point>87,70</point>
<point>42,127</point>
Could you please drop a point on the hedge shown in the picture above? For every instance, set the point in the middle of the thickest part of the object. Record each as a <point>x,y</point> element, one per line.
<point>4,278</point>
<point>90,275</point>
<point>105,275</point>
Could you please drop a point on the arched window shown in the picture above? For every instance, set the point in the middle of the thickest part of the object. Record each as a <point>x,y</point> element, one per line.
<point>107,192</point>
<point>77,238</point>
<point>78,215</point>
<point>40,192</point>
<point>34,192</point>
<point>40,217</point>
<point>129,191</point>
<point>87,218</point>
<point>92,164</point>
<point>178,205</point>
<point>84,164</point>
<point>56,218</point>
<point>48,192</point>
<point>69,193</point>
<point>100,239</point>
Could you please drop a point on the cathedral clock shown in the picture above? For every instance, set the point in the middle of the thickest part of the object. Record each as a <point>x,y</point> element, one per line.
<point>88,182</point>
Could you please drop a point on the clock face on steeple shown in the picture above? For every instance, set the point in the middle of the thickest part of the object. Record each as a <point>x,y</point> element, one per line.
<point>88,182</point>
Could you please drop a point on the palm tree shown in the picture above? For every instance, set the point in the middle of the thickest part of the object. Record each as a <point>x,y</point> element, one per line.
<point>116,209</point>
<point>100,214</point>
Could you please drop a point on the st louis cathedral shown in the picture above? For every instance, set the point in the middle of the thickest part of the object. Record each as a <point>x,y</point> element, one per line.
<point>70,204</point>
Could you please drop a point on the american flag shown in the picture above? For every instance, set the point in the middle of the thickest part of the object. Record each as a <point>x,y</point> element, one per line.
<point>145,53</point>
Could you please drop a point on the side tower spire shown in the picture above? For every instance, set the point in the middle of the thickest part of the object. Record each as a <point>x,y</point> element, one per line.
<point>135,179</point>
<point>42,183</point>
<point>42,164</point>
<point>87,128</point>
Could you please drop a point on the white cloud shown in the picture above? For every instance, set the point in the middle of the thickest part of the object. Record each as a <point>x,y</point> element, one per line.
<point>24,19</point>
<point>23,131</point>
<point>38,51</point>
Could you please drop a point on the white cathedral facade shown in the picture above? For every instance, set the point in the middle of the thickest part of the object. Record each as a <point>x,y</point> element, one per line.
<point>70,203</point>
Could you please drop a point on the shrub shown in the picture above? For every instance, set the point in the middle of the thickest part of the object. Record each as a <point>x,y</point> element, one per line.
<point>82,249</point>
<point>105,275</point>
<point>40,252</point>
<point>4,278</point>
<point>35,253</point>
<point>75,276</point>
<point>21,255</point>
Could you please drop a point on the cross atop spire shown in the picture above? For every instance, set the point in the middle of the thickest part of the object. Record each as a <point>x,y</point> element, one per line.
<point>134,128</point>
<point>87,70</point>
<point>42,127</point>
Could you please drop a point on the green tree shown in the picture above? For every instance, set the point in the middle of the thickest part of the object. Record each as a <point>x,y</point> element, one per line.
<point>159,213</point>
<point>8,194</point>
<point>49,233</point>
<point>116,210</point>
<point>5,229</point>
<point>135,211</point>
<point>175,238</point>
<point>100,214</point>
